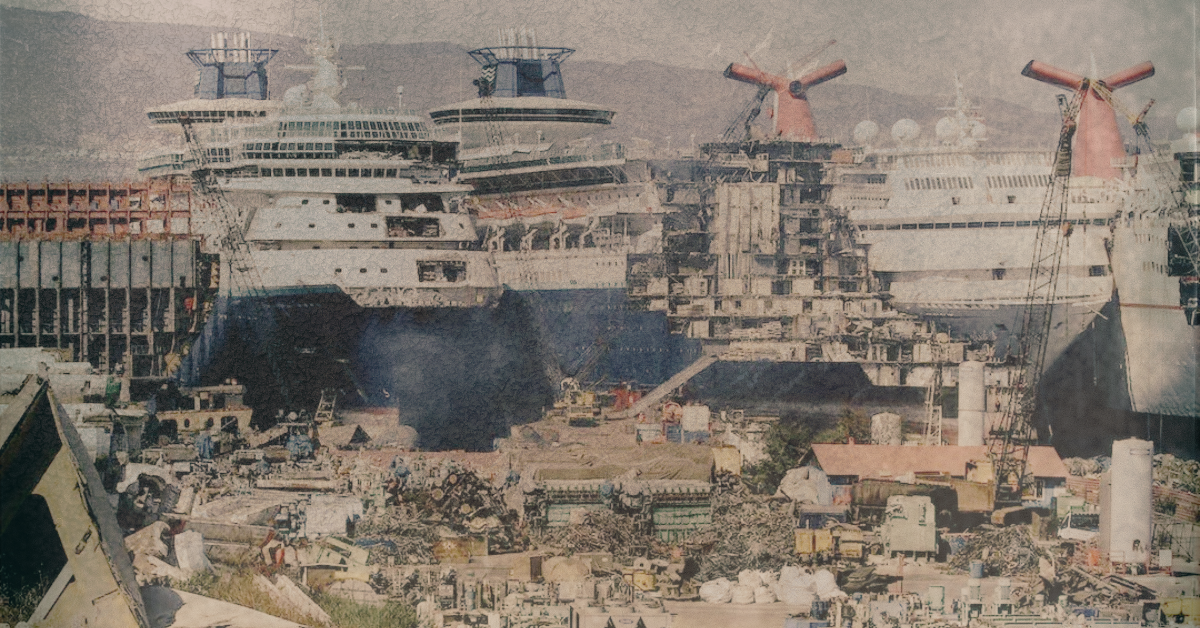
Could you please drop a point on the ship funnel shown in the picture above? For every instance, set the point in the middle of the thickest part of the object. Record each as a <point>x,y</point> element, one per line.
<point>816,77</point>
<point>1097,142</point>
<point>793,117</point>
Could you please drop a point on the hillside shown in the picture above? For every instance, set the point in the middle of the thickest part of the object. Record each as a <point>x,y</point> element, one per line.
<point>74,91</point>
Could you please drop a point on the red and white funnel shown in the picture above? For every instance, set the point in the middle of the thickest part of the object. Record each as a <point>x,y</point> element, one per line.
<point>793,117</point>
<point>1097,139</point>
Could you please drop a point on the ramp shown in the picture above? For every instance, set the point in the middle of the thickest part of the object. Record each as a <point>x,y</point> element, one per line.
<point>669,386</point>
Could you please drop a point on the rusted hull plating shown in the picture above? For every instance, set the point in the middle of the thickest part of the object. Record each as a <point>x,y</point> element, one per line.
<point>111,273</point>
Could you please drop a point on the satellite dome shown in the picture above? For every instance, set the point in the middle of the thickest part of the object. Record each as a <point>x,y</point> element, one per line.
<point>906,130</point>
<point>946,130</point>
<point>865,132</point>
<point>1186,120</point>
<point>295,96</point>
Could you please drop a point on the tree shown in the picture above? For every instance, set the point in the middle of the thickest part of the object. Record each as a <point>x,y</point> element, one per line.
<point>851,423</point>
<point>786,442</point>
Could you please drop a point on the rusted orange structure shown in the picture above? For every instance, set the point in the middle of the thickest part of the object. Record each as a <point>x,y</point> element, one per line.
<point>1097,141</point>
<point>793,116</point>
<point>112,272</point>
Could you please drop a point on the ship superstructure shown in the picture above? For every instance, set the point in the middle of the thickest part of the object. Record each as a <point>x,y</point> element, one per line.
<point>561,213</point>
<point>333,199</point>
<point>950,229</point>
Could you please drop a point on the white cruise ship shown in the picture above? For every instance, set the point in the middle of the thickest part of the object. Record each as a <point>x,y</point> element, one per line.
<point>951,230</point>
<point>330,199</point>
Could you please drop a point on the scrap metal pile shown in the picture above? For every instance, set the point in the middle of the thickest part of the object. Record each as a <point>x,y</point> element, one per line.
<point>603,531</point>
<point>441,500</point>
<point>1177,473</point>
<point>748,532</point>
<point>1004,552</point>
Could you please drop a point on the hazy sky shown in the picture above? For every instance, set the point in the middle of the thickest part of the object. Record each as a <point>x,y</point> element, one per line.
<point>910,46</point>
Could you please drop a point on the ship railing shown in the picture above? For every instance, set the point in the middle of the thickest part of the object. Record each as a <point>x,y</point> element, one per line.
<point>553,156</point>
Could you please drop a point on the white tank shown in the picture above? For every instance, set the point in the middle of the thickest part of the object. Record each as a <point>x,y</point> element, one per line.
<point>1186,120</point>
<point>1131,510</point>
<point>971,403</point>
<point>946,130</point>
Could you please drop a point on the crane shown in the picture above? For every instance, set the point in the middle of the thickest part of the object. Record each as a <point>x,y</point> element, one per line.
<point>243,273</point>
<point>1090,115</point>
<point>1009,450</point>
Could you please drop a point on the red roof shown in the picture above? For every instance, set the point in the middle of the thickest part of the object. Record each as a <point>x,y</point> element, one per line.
<point>890,461</point>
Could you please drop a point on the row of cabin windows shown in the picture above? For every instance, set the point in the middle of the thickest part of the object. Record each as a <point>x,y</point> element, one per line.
<point>377,173</point>
<point>1019,181</point>
<point>431,271</point>
<point>289,146</point>
<point>174,115</point>
<point>357,125</point>
<point>940,183</point>
<point>975,225</point>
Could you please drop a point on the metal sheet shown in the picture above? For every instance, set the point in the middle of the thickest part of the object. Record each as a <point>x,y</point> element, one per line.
<point>99,263</point>
<point>27,262</point>
<point>8,265</point>
<point>51,271</point>
<point>70,264</point>
<point>161,258</point>
<point>139,263</point>
<point>118,265</point>
<point>183,271</point>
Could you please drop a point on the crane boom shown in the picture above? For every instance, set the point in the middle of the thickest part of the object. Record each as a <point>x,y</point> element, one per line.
<point>243,273</point>
<point>1009,446</point>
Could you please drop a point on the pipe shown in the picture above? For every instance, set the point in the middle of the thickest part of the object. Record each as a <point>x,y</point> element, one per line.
<point>1130,75</point>
<point>1047,73</point>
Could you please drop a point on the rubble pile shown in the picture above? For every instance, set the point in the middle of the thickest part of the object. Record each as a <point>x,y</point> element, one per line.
<point>603,531</point>
<point>1004,552</point>
<point>1087,467</point>
<point>1084,589</point>
<point>748,532</point>
<point>1177,473</point>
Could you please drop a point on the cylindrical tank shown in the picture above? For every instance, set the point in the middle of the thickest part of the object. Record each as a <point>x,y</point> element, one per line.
<point>971,403</point>
<point>886,429</point>
<point>1131,508</point>
<point>977,569</point>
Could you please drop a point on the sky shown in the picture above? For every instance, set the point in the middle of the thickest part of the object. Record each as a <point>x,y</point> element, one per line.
<point>909,46</point>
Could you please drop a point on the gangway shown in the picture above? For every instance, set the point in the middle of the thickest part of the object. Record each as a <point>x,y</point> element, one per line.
<point>669,386</point>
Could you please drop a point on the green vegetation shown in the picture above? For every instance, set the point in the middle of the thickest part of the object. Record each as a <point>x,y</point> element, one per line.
<point>786,442</point>
<point>348,614</point>
<point>851,423</point>
<point>17,604</point>
<point>237,587</point>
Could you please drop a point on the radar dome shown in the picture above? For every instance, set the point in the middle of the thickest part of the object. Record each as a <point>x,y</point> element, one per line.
<point>295,96</point>
<point>978,129</point>
<point>946,130</point>
<point>905,130</point>
<point>865,131</point>
<point>1186,120</point>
